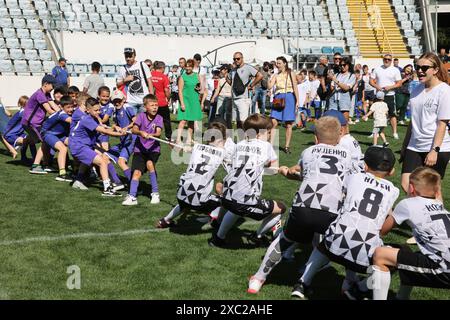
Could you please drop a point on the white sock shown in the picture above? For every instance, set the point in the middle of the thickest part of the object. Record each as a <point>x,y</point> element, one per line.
<point>273,256</point>
<point>215,213</point>
<point>379,282</point>
<point>175,212</point>
<point>106,184</point>
<point>228,221</point>
<point>315,261</point>
<point>267,224</point>
<point>404,292</point>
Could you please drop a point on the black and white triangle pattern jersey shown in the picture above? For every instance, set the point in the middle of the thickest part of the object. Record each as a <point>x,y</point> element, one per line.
<point>355,234</point>
<point>430,223</point>
<point>243,184</point>
<point>324,168</point>
<point>229,152</point>
<point>197,182</point>
<point>349,143</point>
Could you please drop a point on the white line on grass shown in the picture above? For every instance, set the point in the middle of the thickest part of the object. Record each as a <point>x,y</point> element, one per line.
<point>90,235</point>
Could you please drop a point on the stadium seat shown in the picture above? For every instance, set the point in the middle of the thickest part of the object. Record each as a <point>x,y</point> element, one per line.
<point>16,54</point>
<point>36,66</point>
<point>37,34</point>
<point>12,43</point>
<point>4,54</point>
<point>21,67</point>
<point>327,50</point>
<point>31,54</point>
<point>147,28</point>
<point>338,49</point>
<point>45,55</point>
<point>23,33</point>
<point>80,68</point>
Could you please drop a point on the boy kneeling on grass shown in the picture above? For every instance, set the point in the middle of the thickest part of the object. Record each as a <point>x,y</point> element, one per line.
<point>424,212</point>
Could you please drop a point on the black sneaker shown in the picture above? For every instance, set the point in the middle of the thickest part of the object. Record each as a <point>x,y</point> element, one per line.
<point>118,186</point>
<point>261,241</point>
<point>354,293</point>
<point>386,144</point>
<point>163,224</point>
<point>110,193</point>
<point>300,291</point>
<point>64,177</point>
<point>215,241</point>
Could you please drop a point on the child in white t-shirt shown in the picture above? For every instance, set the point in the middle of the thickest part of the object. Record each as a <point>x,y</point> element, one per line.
<point>380,112</point>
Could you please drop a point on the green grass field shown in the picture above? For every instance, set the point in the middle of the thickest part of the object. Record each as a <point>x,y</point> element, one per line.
<point>145,263</point>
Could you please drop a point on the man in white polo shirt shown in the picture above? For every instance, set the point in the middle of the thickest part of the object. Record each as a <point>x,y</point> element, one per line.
<point>387,78</point>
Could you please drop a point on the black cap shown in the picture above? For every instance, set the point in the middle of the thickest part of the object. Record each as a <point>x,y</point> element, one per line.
<point>129,50</point>
<point>62,59</point>
<point>379,158</point>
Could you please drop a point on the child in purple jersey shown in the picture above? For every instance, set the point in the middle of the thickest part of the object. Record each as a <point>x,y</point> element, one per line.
<point>146,150</point>
<point>82,143</point>
<point>106,112</point>
<point>14,136</point>
<point>124,119</point>
<point>55,132</point>
<point>33,116</point>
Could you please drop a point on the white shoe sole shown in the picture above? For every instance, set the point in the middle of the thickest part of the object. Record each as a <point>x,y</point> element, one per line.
<point>130,204</point>
<point>38,172</point>
<point>121,187</point>
<point>63,180</point>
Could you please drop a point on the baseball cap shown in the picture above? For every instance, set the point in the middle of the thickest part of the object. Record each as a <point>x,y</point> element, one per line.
<point>117,95</point>
<point>129,50</point>
<point>380,95</point>
<point>379,158</point>
<point>48,78</point>
<point>338,115</point>
<point>62,59</point>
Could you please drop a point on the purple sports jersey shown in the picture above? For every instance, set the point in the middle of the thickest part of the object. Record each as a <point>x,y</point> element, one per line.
<point>107,109</point>
<point>123,118</point>
<point>14,128</point>
<point>76,117</point>
<point>34,112</point>
<point>84,134</point>
<point>149,126</point>
<point>56,124</point>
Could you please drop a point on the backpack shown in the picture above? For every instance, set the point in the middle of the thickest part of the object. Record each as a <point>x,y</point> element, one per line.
<point>238,85</point>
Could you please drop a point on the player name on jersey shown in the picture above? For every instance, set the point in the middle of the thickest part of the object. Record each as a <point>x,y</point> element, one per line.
<point>208,149</point>
<point>377,183</point>
<point>331,151</point>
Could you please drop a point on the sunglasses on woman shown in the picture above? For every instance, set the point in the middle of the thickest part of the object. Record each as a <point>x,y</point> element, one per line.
<point>424,68</point>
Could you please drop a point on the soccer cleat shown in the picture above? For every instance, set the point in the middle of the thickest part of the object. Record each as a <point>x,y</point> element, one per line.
<point>370,137</point>
<point>50,169</point>
<point>79,185</point>
<point>215,241</point>
<point>110,192</point>
<point>396,136</point>
<point>155,198</point>
<point>163,224</point>
<point>130,201</point>
<point>254,285</point>
<point>63,177</point>
<point>299,291</point>
<point>118,186</point>
<point>386,144</point>
<point>37,170</point>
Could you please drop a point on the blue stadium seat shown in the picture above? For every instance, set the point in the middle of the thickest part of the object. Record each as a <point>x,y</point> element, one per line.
<point>338,49</point>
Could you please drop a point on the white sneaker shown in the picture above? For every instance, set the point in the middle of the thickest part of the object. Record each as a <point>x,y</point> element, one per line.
<point>401,122</point>
<point>370,137</point>
<point>118,186</point>
<point>396,136</point>
<point>79,185</point>
<point>155,198</point>
<point>130,201</point>
<point>254,285</point>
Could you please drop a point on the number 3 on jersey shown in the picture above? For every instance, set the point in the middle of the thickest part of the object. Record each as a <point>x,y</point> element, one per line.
<point>331,162</point>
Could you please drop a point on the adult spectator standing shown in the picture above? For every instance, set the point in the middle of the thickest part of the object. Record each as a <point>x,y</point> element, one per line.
<point>322,68</point>
<point>201,71</point>
<point>94,81</point>
<point>61,74</point>
<point>427,141</point>
<point>285,83</point>
<point>369,91</point>
<point>402,94</point>
<point>337,57</point>
<point>342,84</point>
<point>387,78</point>
<point>161,84</point>
<point>137,77</point>
<point>396,64</point>
<point>182,64</point>
<point>149,63</point>
<point>174,74</point>
<point>259,98</point>
<point>241,82</point>
<point>223,95</point>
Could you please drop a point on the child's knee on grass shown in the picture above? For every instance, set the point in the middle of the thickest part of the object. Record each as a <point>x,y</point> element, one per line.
<point>150,166</point>
<point>122,163</point>
<point>385,257</point>
<point>137,174</point>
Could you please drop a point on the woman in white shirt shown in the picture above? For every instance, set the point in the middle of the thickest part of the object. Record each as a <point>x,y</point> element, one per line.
<point>427,142</point>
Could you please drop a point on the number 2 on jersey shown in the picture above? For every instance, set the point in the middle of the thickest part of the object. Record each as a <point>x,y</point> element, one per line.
<point>200,168</point>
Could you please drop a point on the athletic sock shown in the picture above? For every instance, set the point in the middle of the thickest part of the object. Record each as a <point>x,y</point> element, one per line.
<point>267,224</point>
<point>127,174</point>
<point>228,221</point>
<point>315,262</point>
<point>215,213</point>
<point>134,187</point>
<point>153,181</point>
<point>379,282</point>
<point>62,172</point>
<point>106,184</point>
<point>404,292</point>
<point>175,212</point>
<point>113,174</point>
<point>273,256</point>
